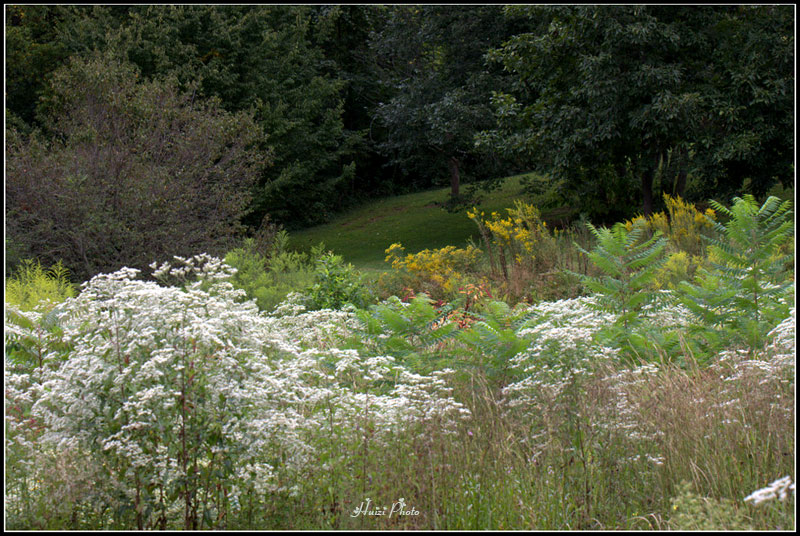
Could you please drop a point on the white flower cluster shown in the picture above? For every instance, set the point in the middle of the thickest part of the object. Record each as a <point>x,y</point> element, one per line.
<point>562,348</point>
<point>776,362</point>
<point>201,266</point>
<point>673,316</point>
<point>625,415</point>
<point>782,346</point>
<point>324,328</point>
<point>780,489</point>
<point>162,381</point>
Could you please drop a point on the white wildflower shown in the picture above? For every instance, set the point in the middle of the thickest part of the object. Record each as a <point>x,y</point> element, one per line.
<point>778,489</point>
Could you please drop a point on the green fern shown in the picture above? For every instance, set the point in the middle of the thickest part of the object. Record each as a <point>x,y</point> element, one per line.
<point>493,340</point>
<point>269,278</point>
<point>33,286</point>
<point>413,333</point>
<point>747,291</point>
<point>629,264</point>
<point>33,339</point>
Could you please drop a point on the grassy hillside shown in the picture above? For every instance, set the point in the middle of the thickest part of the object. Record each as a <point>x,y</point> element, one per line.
<point>417,220</point>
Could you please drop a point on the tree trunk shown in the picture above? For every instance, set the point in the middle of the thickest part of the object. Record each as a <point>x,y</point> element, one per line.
<point>648,174</point>
<point>683,169</point>
<point>455,178</point>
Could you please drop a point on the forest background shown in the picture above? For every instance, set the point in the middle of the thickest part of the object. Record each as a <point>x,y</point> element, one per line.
<point>133,132</point>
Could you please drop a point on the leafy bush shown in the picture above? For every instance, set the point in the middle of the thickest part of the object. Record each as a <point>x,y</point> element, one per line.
<point>629,264</point>
<point>189,409</point>
<point>519,247</point>
<point>686,230</point>
<point>473,337</point>
<point>414,332</point>
<point>493,340</point>
<point>33,330</point>
<point>31,284</point>
<point>691,511</point>
<point>336,284</point>
<point>324,279</point>
<point>127,171</point>
<point>441,273</point>
<point>683,225</point>
<point>269,278</point>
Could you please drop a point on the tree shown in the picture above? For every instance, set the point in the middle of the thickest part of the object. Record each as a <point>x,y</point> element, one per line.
<point>39,39</point>
<point>749,124</point>
<point>343,33</point>
<point>259,58</point>
<point>253,58</point>
<point>299,103</point>
<point>432,58</point>
<point>135,171</point>
<point>30,53</point>
<point>610,96</point>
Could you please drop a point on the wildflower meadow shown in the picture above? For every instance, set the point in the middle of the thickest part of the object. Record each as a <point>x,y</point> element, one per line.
<point>369,267</point>
<point>171,400</point>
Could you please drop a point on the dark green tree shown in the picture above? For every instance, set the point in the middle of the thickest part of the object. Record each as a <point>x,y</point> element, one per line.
<point>746,137</point>
<point>608,98</point>
<point>253,58</point>
<point>299,104</point>
<point>259,58</point>
<point>343,32</point>
<point>39,39</point>
<point>432,57</point>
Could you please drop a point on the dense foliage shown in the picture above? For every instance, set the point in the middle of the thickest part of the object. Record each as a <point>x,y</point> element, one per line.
<point>176,403</point>
<point>610,99</point>
<point>432,58</point>
<point>638,372</point>
<point>133,171</point>
<point>180,398</point>
<point>364,100</point>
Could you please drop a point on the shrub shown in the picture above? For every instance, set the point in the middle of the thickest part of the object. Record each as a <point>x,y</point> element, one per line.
<point>33,330</point>
<point>129,171</point>
<point>691,511</point>
<point>629,264</point>
<point>683,225</point>
<point>336,284</point>
<point>493,341</point>
<point>519,247</point>
<point>415,333</point>
<point>269,278</point>
<point>190,409</point>
<point>678,266</point>
<point>686,230</point>
<point>440,273</point>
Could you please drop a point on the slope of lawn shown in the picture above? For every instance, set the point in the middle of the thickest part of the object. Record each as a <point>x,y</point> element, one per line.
<point>418,221</point>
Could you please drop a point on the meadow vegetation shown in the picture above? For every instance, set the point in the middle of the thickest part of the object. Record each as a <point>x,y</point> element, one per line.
<point>637,376</point>
<point>518,350</point>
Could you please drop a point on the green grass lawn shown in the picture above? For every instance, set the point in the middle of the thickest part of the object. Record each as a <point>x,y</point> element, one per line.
<point>417,221</point>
